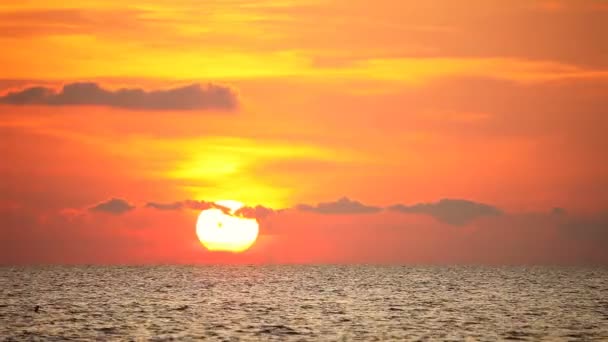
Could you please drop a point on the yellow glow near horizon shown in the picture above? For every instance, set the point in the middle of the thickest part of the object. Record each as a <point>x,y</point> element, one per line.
<point>219,231</point>
<point>219,167</point>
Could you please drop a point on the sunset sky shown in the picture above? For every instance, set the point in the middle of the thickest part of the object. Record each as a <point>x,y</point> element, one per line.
<point>386,131</point>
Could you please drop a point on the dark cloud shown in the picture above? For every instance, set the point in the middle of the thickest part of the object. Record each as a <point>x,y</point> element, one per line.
<point>199,205</point>
<point>165,206</point>
<point>26,96</point>
<point>188,97</point>
<point>452,211</point>
<point>258,212</point>
<point>115,206</point>
<point>185,204</point>
<point>341,206</point>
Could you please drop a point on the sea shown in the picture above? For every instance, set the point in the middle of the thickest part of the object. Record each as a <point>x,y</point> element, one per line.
<point>303,303</point>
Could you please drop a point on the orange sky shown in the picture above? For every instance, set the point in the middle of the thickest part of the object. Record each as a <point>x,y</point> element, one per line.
<point>279,103</point>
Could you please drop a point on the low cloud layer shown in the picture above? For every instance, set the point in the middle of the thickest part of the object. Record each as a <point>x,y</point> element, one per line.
<point>286,236</point>
<point>342,206</point>
<point>189,97</point>
<point>259,212</point>
<point>114,206</point>
<point>456,212</point>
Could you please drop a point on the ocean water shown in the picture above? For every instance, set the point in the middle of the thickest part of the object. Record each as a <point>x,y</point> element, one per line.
<point>303,303</point>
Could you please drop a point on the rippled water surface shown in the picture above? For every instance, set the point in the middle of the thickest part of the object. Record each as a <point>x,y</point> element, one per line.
<point>317,303</point>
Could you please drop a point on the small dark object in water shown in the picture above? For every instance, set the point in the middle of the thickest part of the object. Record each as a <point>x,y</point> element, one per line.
<point>182,308</point>
<point>36,308</point>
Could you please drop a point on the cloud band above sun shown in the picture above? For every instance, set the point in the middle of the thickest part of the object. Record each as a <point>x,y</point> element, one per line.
<point>457,212</point>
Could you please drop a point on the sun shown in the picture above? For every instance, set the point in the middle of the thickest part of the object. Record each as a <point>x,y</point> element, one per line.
<point>224,230</point>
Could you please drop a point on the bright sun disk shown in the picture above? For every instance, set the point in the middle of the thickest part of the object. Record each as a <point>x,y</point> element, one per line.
<point>221,231</point>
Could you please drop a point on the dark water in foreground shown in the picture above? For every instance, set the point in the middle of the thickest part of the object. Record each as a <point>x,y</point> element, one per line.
<point>318,303</point>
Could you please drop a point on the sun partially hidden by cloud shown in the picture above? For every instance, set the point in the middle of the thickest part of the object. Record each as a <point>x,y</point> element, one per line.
<point>226,230</point>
